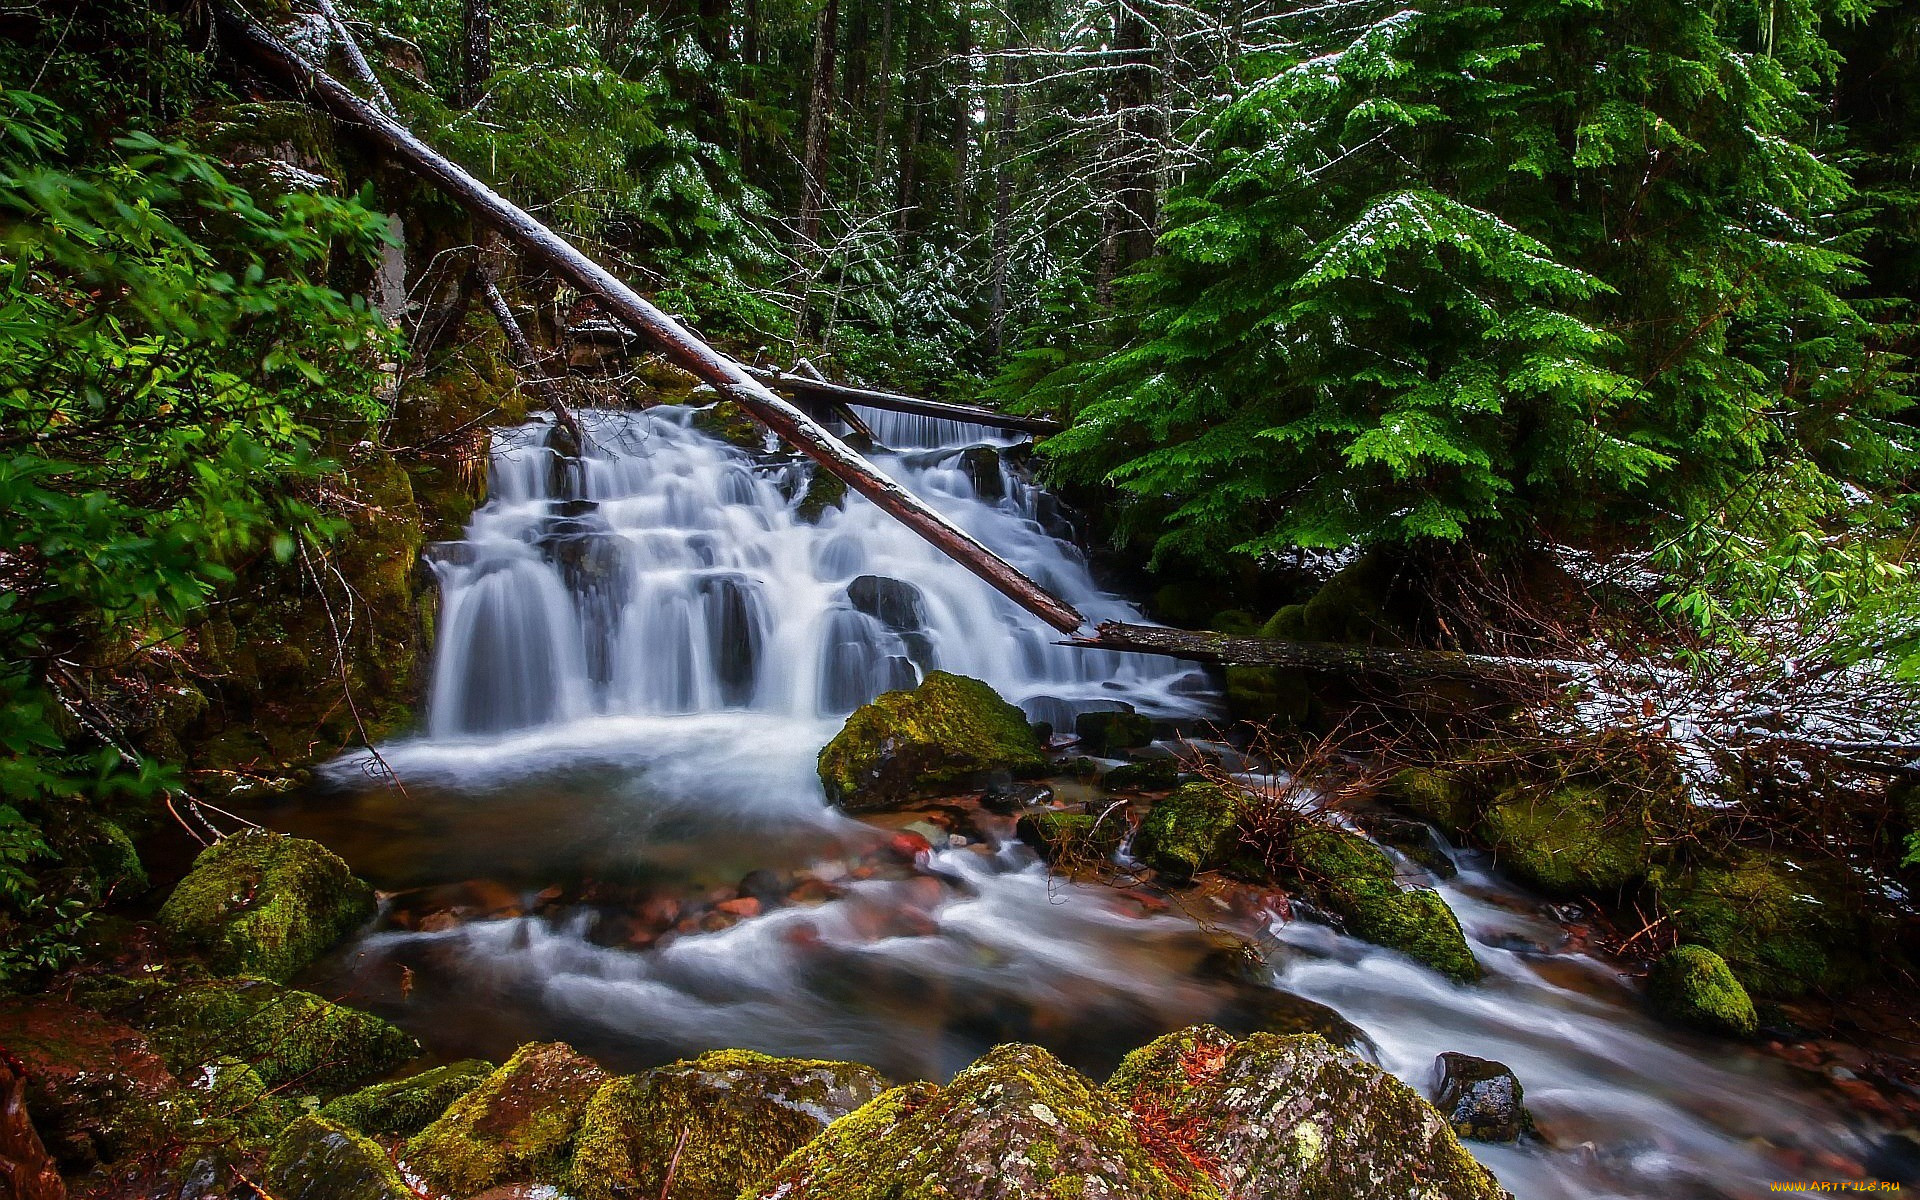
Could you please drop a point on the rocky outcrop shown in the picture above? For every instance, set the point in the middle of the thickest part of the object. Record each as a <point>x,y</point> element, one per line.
<point>403,1107</point>
<point>265,904</point>
<point>727,1119</point>
<point>316,1159</point>
<point>518,1126</point>
<point>908,743</point>
<point>1693,986</point>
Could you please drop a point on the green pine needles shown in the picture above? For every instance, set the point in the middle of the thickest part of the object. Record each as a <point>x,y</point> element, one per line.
<point>1493,271</point>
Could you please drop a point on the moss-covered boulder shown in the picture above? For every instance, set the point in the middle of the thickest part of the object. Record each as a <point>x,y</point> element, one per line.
<point>285,1034</point>
<point>231,1102</point>
<point>1150,775</point>
<point>1785,926</point>
<point>518,1126</point>
<point>1354,879</point>
<point>1110,731</point>
<point>1292,1118</point>
<point>265,904</point>
<point>1445,798</point>
<point>315,1159</point>
<point>1195,829</point>
<point>1353,606</point>
<point>403,1107</point>
<point>825,490</point>
<point>1691,985</point>
<point>1017,1123</point>
<point>731,423</point>
<point>741,1113</point>
<point>1269,695</point>
<point>1570,841</point>
<point>908,743</point>
<point>1073,838</point>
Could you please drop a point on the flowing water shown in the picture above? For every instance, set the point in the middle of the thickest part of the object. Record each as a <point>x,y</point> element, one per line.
<point>641,651</point>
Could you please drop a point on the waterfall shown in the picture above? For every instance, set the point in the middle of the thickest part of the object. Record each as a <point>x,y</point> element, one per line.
<point>669,572</point>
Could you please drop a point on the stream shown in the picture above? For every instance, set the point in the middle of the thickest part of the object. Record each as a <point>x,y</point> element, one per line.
<point>611,830</point>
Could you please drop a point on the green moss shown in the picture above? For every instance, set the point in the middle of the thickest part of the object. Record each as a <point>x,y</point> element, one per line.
<point>1352,878</point>
<point>1269,694</point>
<point>316,1159</point>
<point>1072,837</point>
<point>1693,986</point>
<point>286,1035</point>
<point>1785,926</point>
<point>1161,1071</point>
<point>729,422</point>
<point>1016,1123</point>
<point>1186,604</point>
<point>265,904</point>
<point>1287,624</point>
<point>1110,732</point>
<point>906,743</point>
<point>518,1125</point>
<point>1235,621</point>
<point>1569,841</point>
<point>1153,775</point>
<point>1352,606</point>
<point>403,1107</point>
<point>741,1114</point>
<point>1444,798</point>
<point>1193,830</point>
<point>824,490</point>
<point>230,1099</point>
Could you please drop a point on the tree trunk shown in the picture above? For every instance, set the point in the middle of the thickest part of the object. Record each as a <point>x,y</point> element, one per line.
<point>691,354</point>
<point>1007,124</point>
<point>813,183</point>
<point>963,116</point>
<point>476,52</point>
<point>1228,650</point>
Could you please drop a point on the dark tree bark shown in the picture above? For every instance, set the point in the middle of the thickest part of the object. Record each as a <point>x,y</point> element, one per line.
<point>1132,214</point>
<point>476,52</point>
<point>882,117</point>
<point>1005,127</point>
<point>963,115</point>
<point>813,199</point>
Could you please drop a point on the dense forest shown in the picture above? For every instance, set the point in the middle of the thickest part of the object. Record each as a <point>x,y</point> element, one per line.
<point>1495,421</point>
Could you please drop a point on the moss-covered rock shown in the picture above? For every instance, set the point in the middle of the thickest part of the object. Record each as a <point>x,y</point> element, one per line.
<point>1109,732</point>
<point>1072,837</point>
<point>1017,1123</point>
<point>741,1114</point>
<point>1353,605</point>
<point>1291,1118</point>
<point>232,1101</point>
<point>1569,841</point>
<point>1269,694</point>
<point>316,1159</point>
<point>1187,603</point>
<point>1193,830</point>
<point>909,742</point>
<point>265,904</point>
<point>403,1107</point>
<point>1353,878</point>
<point>1235,621</point>
<point>825,490</point>
<point>1691,985</point>
<point>1287,624</point>
<point>96,1087</point>
<point>1785,926</point>
<point>1447,799</point>
<point>1152,775</point>
<point>285,1034</point>
<point>517,1126</point>
<point>729,422</point>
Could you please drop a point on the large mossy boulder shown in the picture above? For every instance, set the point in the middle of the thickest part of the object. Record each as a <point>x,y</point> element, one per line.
<point>289,1036</point>
<point>266,904</point>
<point>909,743</point>
<point>518,1126</point>
<point>1785,926</point>
<point>1195,829</point>
<point>1447,799</point>
<point>1352,878</point>
<point>316,1159</point>
<point>1693,986</point>
<point>1293,1118</point>
<point>1072,839</point>
<point>1570,841</point>
<point>741,1114</point>
<point>403,1107</point>
<point>1017,1123</point>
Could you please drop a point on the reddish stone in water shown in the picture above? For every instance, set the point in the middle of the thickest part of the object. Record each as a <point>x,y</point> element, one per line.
<point>743,906</point>
<point>909,846</point>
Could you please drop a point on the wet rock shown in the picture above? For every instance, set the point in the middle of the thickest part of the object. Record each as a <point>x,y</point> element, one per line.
<point>285,1034</point>
<point>765,886</point>
<point>730,422</point>
<point>1007,798</point>
<point>403,1107</point>
<point>1481,1099</point>
<point>982,467</point>
<point>907,743</point>
<point>518,1125</point>
<point>1017,1123</point>
<point>1076,838</point>
<point>1255,1005</point>
<point>1106,732</point>
<point>1784,925</point>
<point>742,1114</point>
<point>894,603</point>
<point>1693,986</point>
<point>1415,839</point>
<point>265,904</point>
<point>1195,829</point>
<point>1291,1118</point>
<point>94,1084</point>
<point>1445,798</point>
<point>825,490</point>
<point>1153,775</point>
<point>1269,694</point>
<point>1353,879</point>
<point>316,1159</point>
<point>1568,841</point>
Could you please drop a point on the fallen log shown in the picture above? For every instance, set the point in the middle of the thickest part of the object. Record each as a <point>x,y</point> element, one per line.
<point>805,388</point>
<point>678,344</point>
<point>1237,651</point>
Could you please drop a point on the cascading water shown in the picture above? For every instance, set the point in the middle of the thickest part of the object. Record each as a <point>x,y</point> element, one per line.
<point>640,653</point>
